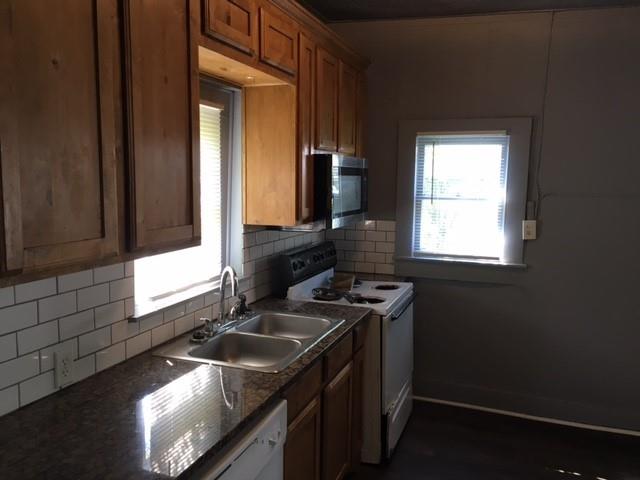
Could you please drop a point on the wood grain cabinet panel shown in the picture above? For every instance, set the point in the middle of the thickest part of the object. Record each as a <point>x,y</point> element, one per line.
<point>347,103</point>
<point>162,94</point>
<point>278,40</point>
<point>361,111</point>
<point>59,137</point>
<point>357,411</point>
<point>302,451</point>
<point>306,111</point>
<point>337,400</point>
<point>326,128</point>
<point>233,22</point>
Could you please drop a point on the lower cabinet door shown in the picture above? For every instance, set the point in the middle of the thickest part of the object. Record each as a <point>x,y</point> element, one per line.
<point>337,400</point>
<point>302,450</point>
<point>356,414</point>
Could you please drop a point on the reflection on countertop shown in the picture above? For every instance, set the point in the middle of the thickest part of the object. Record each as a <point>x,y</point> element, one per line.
<point>150,417</point>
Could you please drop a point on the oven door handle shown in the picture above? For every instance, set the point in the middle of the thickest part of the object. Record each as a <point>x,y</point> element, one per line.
<point>396,315</point>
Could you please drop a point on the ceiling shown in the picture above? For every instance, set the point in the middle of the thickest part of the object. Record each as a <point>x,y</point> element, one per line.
<point>341,10</point>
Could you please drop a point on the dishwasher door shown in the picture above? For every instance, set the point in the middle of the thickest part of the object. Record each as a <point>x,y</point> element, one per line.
<point>259,455</point>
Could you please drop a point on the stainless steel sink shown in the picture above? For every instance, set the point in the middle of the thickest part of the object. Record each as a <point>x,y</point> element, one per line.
<point>258,352</point>
<point>265,342</point>
<point>299,327</point>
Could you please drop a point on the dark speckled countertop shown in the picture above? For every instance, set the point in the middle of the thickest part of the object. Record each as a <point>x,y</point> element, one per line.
<point>150,418</point>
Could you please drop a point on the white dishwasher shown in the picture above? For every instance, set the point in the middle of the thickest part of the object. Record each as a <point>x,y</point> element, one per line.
<point>259,455</point>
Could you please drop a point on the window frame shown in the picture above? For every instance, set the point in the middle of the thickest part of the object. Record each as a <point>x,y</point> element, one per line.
<point>519,130</point>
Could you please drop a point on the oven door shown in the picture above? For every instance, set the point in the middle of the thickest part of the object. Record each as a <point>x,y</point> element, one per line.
<point>349,177</point>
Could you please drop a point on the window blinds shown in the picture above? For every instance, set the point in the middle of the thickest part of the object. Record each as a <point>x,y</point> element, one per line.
<point>460,195</point>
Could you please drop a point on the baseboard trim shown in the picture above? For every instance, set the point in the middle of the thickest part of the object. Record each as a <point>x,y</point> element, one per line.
<point>556,421</point>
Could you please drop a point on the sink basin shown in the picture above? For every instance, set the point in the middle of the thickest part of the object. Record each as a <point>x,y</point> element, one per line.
<point>285,325</point>
<point>267,342</point>
<point>247,350</point>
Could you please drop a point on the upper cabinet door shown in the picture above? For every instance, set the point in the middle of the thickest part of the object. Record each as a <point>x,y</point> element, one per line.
<point>162,88</point>
<point>347,87</point>
<point>326,100</point>
<point>278,41</point>
<point>361,110</point>
<point>306,107</point>
<point>233,22</point>
<point>59,142</point>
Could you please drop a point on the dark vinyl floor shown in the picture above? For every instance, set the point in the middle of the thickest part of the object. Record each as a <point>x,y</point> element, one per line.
<point>448,443</point>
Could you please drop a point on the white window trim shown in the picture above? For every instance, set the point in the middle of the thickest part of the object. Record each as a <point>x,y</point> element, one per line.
<point>519,130</point>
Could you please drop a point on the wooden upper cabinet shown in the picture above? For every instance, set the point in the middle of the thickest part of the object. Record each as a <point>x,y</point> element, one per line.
<point>347,105</point>
<point>162,93</point>
<point>306,110</point>
<point>59,141</point>
<point>326,128</point>
<point>361,111</point>
<point>278,40</point>
<point>234,22</point>
<point>336,425</point>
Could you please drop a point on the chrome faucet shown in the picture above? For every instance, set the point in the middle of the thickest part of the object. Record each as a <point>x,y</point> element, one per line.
<point>228,271</point>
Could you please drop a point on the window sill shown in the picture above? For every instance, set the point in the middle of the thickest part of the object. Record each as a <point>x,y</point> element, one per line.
<point>147,307</point>
<point>464,261</point>
<point>460,269</point>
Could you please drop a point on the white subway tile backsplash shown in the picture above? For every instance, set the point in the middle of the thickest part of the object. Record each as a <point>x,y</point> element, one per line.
<point>8,349</point>
<point>34,290</point>
<point>74,325</point>
<point>122,330</point>
<point>374,257</point>
<point>38,337</point>
<point>365,246</point>
<point>19,369</point>
<point>58,306</point>
<point>75,281</point>
<point>391,236</point>
<point>374,236</point>
<point>184,324</point>
<point>139,344</point>
<point>385,247</point>
<point>195,304</point>
<point>47,359</point>
<point>365,267</point>
<point>110,313</point>
<point>129,269</point>
<point>345,244</point>
<point>366,225</point>
<point>162,334</point>
<point>345,266</point>
<point>121,289</point>
<point>211,298</point>
<point>36,388</point>
<point>129,307</point>
<point>267,249</point>
<point>337,234</point>
<point>93,296</point>
<point>9,400</point>
<point>386,225</point>
<point>7,297</point>
<point>108,273</point>
<point>151,321</point>
<point>93,341</point>
<point>355,234</point>
<point>385,268</point>
<point>18,317</point>
<point>84,367</point>
<point>174,312</point>
<point>110,356</point>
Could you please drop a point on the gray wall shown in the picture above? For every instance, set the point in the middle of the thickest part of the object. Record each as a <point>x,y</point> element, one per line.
<point>561,339</point>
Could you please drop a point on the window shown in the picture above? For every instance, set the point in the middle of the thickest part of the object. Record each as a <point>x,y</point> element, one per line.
<point>460,195</point>
<point>162,277</point>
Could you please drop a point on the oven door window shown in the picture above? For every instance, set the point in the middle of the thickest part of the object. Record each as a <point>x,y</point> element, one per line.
<point>348,191</point>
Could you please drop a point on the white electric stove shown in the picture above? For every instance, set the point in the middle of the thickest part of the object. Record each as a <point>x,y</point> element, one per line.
<point>389,354</point>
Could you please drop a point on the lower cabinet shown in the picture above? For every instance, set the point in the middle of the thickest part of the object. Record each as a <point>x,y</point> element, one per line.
<point>302,453</point>
<point>324,438</point>
<point>336,425</point>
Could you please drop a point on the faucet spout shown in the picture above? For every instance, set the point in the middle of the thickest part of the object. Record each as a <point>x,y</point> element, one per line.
<point>231,273</point>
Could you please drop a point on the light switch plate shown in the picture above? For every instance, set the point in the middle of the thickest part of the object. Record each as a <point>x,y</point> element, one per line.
<point>64,366</point>
<point>529,229</point>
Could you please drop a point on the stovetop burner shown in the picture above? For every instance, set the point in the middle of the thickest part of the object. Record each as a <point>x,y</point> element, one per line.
<point>368,300</point>
<point>387,287</point>
<point>326,294</point>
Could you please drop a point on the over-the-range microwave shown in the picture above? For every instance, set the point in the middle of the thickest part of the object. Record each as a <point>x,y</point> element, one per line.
<point>340,189</point>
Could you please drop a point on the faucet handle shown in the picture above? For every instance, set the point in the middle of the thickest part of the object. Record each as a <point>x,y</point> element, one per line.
<point>210,326</point>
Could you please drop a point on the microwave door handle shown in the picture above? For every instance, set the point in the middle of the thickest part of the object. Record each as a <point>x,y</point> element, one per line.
<point>396,315</point>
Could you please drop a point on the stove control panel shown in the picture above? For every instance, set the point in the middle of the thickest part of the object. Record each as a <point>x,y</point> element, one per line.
<point>299,264</point>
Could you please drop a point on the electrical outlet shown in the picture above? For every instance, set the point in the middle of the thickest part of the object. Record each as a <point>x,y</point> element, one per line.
<point>63,368</point>
<point>529,230</point>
